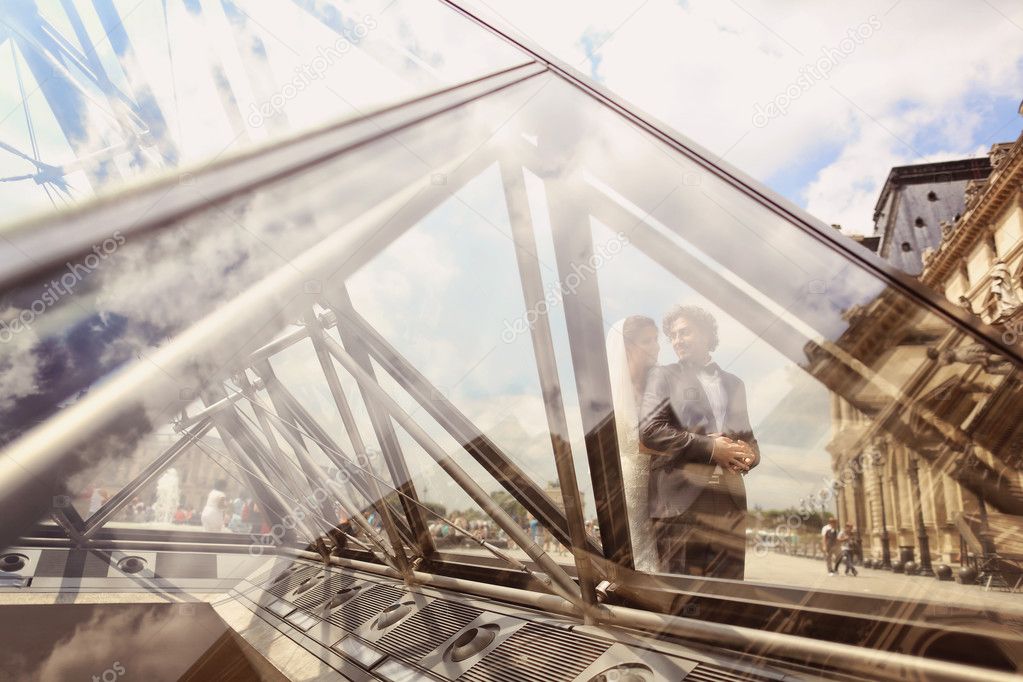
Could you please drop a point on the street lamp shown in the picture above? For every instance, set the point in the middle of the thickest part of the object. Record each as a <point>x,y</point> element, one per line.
<point>921,533</point>
<point>877,460</point>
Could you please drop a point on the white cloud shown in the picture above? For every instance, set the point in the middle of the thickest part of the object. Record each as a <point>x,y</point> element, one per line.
<point>18,363</point>
<point>703,66</point>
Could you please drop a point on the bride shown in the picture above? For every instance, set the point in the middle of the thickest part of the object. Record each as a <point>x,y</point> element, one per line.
<point>632,350</point>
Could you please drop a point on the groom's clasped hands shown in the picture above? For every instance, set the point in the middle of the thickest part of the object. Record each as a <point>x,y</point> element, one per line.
<point>733,455</point>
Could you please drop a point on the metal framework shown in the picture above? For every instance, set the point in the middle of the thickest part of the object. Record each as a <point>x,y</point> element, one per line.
<point>285,455</point>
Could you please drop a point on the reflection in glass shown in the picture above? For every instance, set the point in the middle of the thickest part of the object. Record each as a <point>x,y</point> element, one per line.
<point>111,641</point>
<point>399,355</point>
<point>108,92</point>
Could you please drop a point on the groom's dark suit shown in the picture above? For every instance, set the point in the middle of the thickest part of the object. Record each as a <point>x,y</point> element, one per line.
<point>698,510</point>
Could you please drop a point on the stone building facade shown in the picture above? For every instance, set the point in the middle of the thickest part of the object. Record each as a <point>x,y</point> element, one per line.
<point>946,477</point>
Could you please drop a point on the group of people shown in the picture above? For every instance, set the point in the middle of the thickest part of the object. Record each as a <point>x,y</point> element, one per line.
<point>839,546</point>
<point>686,445</point>
<point>238,515</point>
<point>446,534</point>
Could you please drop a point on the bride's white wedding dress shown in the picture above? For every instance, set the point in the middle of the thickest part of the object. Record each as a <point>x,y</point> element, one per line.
<point>635,464</point>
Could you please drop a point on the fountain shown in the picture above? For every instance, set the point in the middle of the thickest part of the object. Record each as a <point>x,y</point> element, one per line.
<point>168,492</point>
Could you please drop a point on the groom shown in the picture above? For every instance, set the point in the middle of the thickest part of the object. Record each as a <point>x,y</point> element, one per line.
<point>694,422</point>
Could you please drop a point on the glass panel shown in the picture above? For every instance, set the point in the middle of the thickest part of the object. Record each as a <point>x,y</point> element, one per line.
<point>143,88</point>
<point>446,295</point>
<point>851,397</point>
<point>67,332</point>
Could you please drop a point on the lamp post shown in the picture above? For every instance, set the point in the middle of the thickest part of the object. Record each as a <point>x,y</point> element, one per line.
<point>921,533</point>
<point>877,460</point>
<point>986,543</point>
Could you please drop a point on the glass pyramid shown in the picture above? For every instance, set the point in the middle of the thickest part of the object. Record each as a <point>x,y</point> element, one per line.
<point>461,322</point>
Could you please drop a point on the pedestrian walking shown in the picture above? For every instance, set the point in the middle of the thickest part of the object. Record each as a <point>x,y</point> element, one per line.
<point>829,543</point>
<point>847,541</point>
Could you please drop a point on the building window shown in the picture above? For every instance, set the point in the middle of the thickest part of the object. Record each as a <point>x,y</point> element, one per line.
<point>919,222</point>
<point>931,196</point>
<point>906,246</point>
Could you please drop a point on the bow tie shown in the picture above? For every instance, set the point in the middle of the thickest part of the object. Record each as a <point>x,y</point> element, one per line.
<point>710,369</point>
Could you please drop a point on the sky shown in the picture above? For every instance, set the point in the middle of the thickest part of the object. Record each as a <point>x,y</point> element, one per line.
<point>901,82</point>
<point>816,100</point>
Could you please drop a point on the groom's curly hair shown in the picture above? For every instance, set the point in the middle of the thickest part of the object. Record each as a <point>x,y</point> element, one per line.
<point>697,316</point>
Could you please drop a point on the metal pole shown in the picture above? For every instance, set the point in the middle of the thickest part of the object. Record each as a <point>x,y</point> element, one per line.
<point>543,579</point>
<point>986,543</point>
<point>348,419</point>
<point>277,345</point>
<point>311,472</point>
<point>65,519</point>
<point>573,246</point>
<point>273,504</point>
<point>265,464</point>
<point>259,461</point>
<point>208,411</point>
<point>249,392</point>
<point>387,439</point>
<point>360,339</point>
<point>561,580</point>
<point>339,496</point>
<point>921,532</point>
<point>547,371</point>
<point>886,552</point>
<point>123,496</point>
<point>300,416</point>
<point>309,469</point>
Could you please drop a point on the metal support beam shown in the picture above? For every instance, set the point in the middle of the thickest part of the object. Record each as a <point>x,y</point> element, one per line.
<point>292,434</point>
<point>354,327</point>
<point>561,582</point>
<point>235,439</point>
<point>547,371</point>
<point>275,473</point>
<point>278,460</point>
<point>357,476</point>
<point>348,419</point>
<point>206,412</point>
<point>151,471</point>
<point>72,524</point>
<point>319,478</point>
<point>147,107</point>
<point>573,245</point>
<point>386,437</point>
<point>275,462</point>
<point>312,473</point>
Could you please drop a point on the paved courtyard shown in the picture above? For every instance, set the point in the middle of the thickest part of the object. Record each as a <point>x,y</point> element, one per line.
<point>781,569</point>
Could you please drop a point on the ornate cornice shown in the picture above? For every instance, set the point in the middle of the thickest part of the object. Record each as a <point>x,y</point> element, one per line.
<point>985,200</point>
